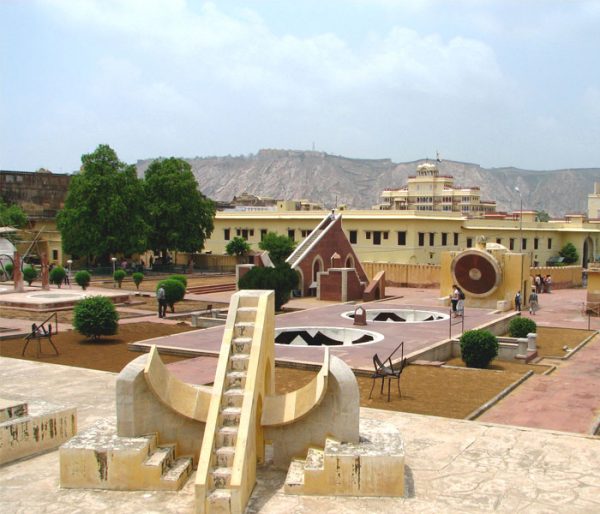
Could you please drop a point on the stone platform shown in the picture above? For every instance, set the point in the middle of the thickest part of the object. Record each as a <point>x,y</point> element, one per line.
<point>451,465</point>
<point>39,300</point>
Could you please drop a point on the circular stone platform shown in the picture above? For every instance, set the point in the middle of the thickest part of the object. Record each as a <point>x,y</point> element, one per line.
<point>325,336</point>
<point>399,315</point>
<point>57,296</point>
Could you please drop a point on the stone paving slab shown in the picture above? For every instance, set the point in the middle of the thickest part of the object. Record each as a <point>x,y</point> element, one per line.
<point>568,399</point>
<point>452,466</point>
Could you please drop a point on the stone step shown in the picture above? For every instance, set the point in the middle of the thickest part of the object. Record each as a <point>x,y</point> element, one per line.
<point>178,473</point>
<point>230,416</point>
<point>233,398</point>
<point>294,480</point>
<point>239,361</point>
<point>162,458</point>
<point>315,458</point>
<point>245,314</point>
<point>12,409</point>
<point>226,436</point>
<point>243,328</point>
<point>221,477</point>
<point>241,345</point>
<point>225,456</point>
<point>219,502</point>
<point>235,379</point>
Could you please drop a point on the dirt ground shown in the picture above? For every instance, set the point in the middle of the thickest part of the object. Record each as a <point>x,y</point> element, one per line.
<point>107,354</point>
<point>149,283</point>
<point>150,304</point>
<point>551,340</point>
<point>425,390</point>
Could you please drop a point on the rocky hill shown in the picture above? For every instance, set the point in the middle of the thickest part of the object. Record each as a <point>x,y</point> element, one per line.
<point>324,178</point>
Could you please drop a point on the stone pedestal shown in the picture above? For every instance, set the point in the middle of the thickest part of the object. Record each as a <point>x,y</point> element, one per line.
<point>532,342</point>
<point>360,316</point>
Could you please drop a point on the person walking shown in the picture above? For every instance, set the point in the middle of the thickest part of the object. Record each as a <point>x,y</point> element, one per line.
<point>161,296</point>
<point>518,301</point>
<point>533,302</point>
<point>460,305</point>
<point>548,283</point>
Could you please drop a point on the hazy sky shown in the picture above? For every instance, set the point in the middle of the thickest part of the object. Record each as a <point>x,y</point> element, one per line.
<point>500,83</point>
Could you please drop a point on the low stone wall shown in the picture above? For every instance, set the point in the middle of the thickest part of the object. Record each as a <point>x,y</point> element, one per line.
<point>405,275</point>
<point>563,277</point>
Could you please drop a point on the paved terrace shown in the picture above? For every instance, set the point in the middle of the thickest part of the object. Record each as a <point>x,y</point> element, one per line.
<point>451,466</point>
<point>415,335</point>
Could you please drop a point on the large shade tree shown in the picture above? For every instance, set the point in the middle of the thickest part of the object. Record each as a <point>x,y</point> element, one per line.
<point>179,215</point>
<point>279,247</point>
<point>12,216</point>
<point>104,209</point>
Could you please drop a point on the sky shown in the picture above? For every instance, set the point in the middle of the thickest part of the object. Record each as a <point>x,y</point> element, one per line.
<point>494,82</point>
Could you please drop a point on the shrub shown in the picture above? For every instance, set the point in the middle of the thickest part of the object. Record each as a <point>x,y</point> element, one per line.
<point>8,268</point>
<point>96,316</point>
<point>478,348</point>
<point>181,279</point>
<point>29,274</point>
<point>83,279</point>
<point>281,279</point>
<point>174,291</point>
<point>57,275</point>
<point>237,246</point>
<point>520,327</point>
<point>569,253</point>
<point>137,277</point>
<point>118,276</point>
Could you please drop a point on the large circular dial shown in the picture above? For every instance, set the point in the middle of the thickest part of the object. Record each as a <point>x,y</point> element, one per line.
<point>476,272</point>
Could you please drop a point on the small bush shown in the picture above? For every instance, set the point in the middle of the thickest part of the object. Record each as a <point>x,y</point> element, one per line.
<point>83,279</point>
<point>520,327</point>
<point>29,274</point>
<point>478,348</point>
<point>174,291</point>
<point>57,275</point>
<point>137,277</point>
<point>281,279</point>
<point>8,268</point>
<point>118,276</point>
<point>181,279</point>
<point>96,316</point>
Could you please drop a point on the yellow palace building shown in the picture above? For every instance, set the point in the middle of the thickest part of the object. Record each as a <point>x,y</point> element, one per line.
<point>417,237</point>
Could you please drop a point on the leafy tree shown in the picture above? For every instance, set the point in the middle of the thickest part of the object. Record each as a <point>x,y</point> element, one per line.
<point>520,327</point>
<point>57,275</point>
<point>174,291</point>
<point>96,316</point>
<point>137,277</point>
<point>118,276</point>
<point>279,247</point>
<point>181,278</point>
<point>281,279</point>
<point>542,216</point>
<point>29,274</point>
<point>12,216</point>
<point>478,348</point>
<point>237,246</point>
<point>104,209</point>
<point>83,278</point>
<point>179,215</point>
<point>569,253</point>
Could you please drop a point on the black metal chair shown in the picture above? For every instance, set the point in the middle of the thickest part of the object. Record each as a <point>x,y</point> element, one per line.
<point>387,370</point>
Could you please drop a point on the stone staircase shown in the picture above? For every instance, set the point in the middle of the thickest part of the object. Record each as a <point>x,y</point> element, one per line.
<point>372,467</point>
<point>98,458</point>
<point>230,411</point>
<point>223,481</point>
<point>30,427</point>
<point>211,288</point>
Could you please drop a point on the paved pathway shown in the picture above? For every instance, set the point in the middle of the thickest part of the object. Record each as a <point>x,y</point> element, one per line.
<point>568,399</point>
<point>452,466</point>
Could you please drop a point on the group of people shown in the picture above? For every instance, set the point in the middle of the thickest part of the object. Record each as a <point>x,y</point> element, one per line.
<point>457,299</point>
<point>542,284</point>
<point>533,301</point>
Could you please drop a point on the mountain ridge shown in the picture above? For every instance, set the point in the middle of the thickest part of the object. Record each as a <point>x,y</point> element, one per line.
<point>333,179</point>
